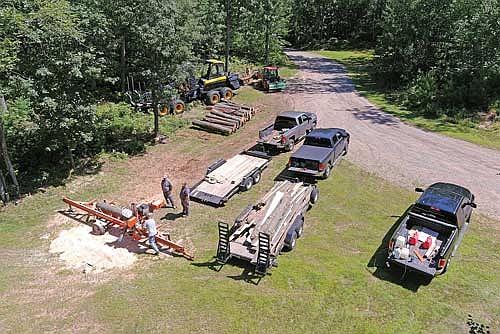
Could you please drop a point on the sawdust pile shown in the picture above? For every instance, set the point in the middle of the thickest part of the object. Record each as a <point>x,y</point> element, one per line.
<point>82,250</point>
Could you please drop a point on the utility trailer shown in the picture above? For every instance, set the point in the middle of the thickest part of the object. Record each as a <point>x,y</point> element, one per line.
<point>224,178</point>
<point>274,223</point>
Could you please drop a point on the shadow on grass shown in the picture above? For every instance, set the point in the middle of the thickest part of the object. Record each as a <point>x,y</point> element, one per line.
<point>248,274</point>
<point>396,275</point>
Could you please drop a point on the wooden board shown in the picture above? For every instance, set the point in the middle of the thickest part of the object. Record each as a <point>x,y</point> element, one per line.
<point>228,176</point>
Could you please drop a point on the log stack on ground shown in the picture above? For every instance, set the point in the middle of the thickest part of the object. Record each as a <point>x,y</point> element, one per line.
<point>226,117</point>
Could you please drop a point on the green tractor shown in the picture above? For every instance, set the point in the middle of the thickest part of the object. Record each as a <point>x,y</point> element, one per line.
<point>270,79</point>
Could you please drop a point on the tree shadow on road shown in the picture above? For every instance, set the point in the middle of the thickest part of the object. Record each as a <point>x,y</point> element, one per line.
<point>374,115</point>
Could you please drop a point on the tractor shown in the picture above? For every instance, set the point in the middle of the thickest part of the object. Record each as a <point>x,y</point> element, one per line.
<point>211,88</point>
<point>270,80</point>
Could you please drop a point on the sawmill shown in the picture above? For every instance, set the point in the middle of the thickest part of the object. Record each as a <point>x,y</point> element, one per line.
<point>271,225</point>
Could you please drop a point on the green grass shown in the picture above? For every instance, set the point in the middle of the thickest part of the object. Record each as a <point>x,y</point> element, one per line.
<point>323,286</point>
<point>357,63</point>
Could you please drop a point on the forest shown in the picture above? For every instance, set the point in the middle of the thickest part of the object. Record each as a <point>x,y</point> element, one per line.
<point>64,63</point>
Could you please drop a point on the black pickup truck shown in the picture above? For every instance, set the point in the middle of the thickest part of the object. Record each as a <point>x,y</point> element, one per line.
<point>321,150</point>
<point>288,128</point>
<point>432,229</point>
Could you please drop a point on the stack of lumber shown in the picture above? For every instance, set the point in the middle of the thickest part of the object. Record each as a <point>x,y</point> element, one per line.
<point>274,213</point>
<point>226,117</point>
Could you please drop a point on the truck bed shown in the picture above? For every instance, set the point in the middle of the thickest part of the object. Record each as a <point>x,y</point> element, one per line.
<point>223,182</point>
<point>440,233</point>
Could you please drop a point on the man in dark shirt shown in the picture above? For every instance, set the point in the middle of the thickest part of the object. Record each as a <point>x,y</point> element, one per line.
<point>166,187</point>
<point>184,195</point>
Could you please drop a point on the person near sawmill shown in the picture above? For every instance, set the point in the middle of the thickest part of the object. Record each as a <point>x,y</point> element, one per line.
<point>166,186</point>
<point>150,225</point>
<point>184,195</point>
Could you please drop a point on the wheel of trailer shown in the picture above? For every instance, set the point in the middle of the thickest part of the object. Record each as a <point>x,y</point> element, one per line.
<point>98,228</point>
<point>247,184</point>
<point>314,196</point>
<point>177,106</point>
<point>290,145</point>
<point>327,172</point>
<point>213,97</point>
<point>226,93</point>
<point>293,242</point>
<point>256,177</point>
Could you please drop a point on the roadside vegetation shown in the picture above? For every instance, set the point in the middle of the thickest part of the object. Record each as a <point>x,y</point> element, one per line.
<point>359,65</point>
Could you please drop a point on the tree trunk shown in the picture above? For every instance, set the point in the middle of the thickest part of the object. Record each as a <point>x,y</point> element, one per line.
<point>4,196</point>
<point>3,147</point>
<point>123,62</point>
<point>157,121</point>
<point>228,33</point>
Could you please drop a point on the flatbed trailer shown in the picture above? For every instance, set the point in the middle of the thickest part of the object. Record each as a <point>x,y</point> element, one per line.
<point>263,229</point>
<point>224,178</point>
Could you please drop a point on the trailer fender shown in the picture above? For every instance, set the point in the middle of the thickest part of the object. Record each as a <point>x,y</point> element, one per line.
<point>215,165</point>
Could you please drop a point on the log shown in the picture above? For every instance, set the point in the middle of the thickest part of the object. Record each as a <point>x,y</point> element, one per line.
<point>217,121</point>
<point>221,114</point>
<point>223,118</point>
<point>221,122</point>
<point>215,127</point>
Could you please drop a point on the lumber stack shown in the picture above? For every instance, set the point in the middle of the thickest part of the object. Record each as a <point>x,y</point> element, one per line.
<point>226,117</point>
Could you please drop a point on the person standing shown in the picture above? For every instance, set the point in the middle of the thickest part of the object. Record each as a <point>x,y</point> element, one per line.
<point>151,228</point>
<point>184,195</point>
<point>166,187</point>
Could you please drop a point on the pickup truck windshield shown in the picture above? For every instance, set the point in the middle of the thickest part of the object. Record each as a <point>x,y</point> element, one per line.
<point>318,141</point>
<point>284,123</point>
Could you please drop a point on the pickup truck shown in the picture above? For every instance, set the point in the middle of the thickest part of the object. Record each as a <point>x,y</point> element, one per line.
<point>321,150</point>
<point>431,229</point>
<point>289,128</point>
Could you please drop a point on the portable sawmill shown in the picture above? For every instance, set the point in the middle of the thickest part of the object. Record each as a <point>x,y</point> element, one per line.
<point>128,219</point>
<point>264,229</point>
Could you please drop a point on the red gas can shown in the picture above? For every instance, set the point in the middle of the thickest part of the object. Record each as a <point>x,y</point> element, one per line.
<point>413,239</point>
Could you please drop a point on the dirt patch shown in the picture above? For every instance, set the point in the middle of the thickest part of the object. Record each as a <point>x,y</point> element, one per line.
<point>83,251</point>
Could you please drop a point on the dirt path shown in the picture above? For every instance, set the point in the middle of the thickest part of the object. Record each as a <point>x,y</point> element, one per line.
<point>386,146</point>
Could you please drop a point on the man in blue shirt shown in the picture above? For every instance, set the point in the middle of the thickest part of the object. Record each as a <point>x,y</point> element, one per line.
<point>184,195</point>
<point>166,187</point>
<point>150,225</point>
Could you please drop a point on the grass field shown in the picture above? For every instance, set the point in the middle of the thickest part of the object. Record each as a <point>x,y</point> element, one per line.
<point>329,284</point>
<point>357,64</point>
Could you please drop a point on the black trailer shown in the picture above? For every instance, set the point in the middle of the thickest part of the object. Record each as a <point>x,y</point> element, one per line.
<point>225,178</point>
<point>265,228</point>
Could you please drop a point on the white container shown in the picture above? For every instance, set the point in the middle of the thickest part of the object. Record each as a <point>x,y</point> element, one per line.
<point>400,242</point>
<point>404,253</point>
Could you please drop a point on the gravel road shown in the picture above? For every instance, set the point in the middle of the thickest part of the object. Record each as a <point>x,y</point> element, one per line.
<point>382,144</point>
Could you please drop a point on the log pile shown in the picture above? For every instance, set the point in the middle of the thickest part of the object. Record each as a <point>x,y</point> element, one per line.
<point>226,117</point>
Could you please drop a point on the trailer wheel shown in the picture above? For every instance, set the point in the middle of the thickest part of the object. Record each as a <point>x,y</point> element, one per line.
<point>300,230</point>
<point>247,184</point>
<point>256,177</point>
<point>290,145</point>
<point>293,242</point>
<point>226,93</point>
<point>326,173</point>
<point>177,106</point>
<point>213,97</point>
<point>98,228</point>
<point>314,196</point>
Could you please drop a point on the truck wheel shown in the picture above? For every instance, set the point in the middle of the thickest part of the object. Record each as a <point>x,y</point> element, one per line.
<point>314,196</point>
<point>213,97</point>
<point>256,177</point>
<point>226,93</point>
<point>177,106</point>
<point>344,152</point>
<point>293,242</point>
<point>247,184</point>
<point>326,173</point>
<point>290,145</point>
